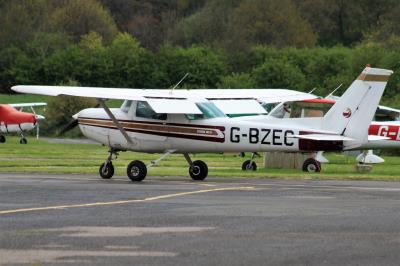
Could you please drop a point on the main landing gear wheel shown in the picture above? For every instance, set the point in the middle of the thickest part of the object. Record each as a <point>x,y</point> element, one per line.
<point>106,171</point>
<point>312,166</point>
<point>2,139</point>
<point>249,165</point>
<point>136,171</point>
<point>23,141</point>
<point>198,170</point>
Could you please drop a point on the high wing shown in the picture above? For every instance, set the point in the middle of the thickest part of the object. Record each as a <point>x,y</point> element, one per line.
<point>388,109</point>
<point>264,95</point>
<point>20,105</point>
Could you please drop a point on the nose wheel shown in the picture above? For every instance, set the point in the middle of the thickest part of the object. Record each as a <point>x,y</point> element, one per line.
<point>106,170</point>
<point>23,141</point>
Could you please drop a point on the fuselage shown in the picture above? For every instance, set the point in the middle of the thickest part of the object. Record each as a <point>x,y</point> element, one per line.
<point>12,120</point>
<point>390,129</point>
<point>177,132</point>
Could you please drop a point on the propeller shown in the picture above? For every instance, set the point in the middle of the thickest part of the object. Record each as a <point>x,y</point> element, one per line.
<point>71,125</point>
<point>39,118</point>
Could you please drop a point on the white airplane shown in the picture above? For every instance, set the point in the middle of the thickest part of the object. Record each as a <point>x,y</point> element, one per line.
<point>13,120</point>
<point>161,121</point>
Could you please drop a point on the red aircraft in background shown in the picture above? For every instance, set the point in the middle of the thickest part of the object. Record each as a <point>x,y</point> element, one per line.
<point>13,120</point>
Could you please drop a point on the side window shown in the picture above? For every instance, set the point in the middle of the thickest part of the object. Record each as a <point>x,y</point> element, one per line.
<point>144,110</point>
<point>194,116</point>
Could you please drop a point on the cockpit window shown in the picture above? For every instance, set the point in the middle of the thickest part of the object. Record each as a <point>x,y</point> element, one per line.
<point>208,109</point>
<point>126,105</point>
<point>386,115</point>
<point>300,110</point>
<point>144,110</point>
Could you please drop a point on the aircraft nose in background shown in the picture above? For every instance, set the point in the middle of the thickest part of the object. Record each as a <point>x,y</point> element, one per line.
<point>40,118</point>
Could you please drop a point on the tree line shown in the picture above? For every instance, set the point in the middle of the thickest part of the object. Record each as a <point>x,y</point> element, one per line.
<point>221,43</point>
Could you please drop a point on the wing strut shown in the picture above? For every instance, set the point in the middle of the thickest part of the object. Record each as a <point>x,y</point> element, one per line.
<point>116,122</point>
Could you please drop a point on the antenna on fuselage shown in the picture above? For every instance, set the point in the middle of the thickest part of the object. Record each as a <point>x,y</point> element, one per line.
<point>177,84</point>
<point>311,91</point>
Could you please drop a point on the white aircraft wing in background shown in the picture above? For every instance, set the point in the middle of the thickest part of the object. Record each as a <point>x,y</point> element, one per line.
<point>20,105</point>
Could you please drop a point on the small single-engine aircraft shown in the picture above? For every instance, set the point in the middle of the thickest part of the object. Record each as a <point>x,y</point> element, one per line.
<point>13,120</point>
<point>182,121</point>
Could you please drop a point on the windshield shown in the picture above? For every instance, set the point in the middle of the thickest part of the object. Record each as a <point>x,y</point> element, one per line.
<point>209,110</point>
<point>301,109</point>
<point>386,115</point>
<point>126,105</point>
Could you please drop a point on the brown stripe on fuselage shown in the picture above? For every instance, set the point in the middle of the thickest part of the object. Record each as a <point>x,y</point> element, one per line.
<point>208,134</point>
<point>370,77</point>
<point>160,123</point>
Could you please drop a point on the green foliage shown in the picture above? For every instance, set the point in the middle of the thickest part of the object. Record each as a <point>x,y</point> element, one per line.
<point>279,74</point>
<point>15,68</point>
<point>237,81</point>
<point>21,20</point>
<point>131,65</point>
<point>77,18</point>
<point>270,22</point>
<point>203,64</point>
<point>60,110</point>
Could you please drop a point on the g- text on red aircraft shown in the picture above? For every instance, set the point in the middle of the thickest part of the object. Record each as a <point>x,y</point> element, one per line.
<point>182,121</point>
<point>16,121</point>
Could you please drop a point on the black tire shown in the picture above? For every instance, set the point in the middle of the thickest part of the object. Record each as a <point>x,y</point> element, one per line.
<point>198,171</point>
<point>249,165</point>
<point>2,139</point>
<point>107,172</point>
<point>312,166</point>
<point>23,141</point>
<point>136,171</point>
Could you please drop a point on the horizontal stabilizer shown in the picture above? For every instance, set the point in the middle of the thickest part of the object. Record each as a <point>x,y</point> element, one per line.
<point>377,138</point>
<point>323,137</point>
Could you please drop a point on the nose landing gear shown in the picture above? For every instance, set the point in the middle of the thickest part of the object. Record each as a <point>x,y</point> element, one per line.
<point>106,169</point>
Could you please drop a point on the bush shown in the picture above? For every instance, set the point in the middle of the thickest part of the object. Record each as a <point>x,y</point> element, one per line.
<point>237,81</point>
<point>60,110</point>
<point>204,66</point>
<point>279,74</point>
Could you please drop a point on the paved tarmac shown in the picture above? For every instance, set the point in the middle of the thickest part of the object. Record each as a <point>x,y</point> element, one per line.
<point>73,219</point>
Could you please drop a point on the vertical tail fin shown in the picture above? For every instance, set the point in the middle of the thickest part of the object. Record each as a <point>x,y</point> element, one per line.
<point>352,114</point>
